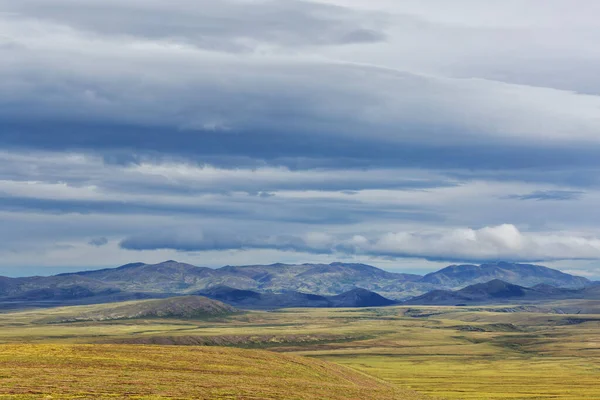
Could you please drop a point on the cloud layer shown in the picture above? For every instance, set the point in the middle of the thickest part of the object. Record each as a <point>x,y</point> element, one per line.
<point>277,130</point>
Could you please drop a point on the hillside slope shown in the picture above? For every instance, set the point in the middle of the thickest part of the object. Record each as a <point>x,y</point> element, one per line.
<point>157,372</point>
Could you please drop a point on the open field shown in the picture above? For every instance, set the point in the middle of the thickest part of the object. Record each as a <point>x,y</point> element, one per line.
<point>454,353</point>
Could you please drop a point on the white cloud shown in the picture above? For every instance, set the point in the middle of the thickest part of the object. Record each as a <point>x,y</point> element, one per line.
<point>495,243</point>
<point>502,242</point>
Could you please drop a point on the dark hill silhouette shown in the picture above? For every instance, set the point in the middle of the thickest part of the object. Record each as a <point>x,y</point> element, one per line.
<point>360,298</point>
<point>291,299</point>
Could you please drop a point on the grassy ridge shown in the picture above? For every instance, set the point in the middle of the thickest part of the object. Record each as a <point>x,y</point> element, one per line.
<point>156,372</point>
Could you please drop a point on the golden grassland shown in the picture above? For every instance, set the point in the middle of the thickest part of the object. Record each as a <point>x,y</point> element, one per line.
<point>156,372</point>
<point>447,352</point>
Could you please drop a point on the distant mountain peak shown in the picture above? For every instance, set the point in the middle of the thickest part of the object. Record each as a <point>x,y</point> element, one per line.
<point>169,262</point>
<point>132,265</point>
<point>352,265</point>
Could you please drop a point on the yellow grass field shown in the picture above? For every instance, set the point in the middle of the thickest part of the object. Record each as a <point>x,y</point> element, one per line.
<point>443,352</point>
<point>157,372</point>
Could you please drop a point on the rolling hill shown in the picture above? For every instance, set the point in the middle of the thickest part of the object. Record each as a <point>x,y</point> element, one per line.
<point>186,307</point>
<point>255,300</point>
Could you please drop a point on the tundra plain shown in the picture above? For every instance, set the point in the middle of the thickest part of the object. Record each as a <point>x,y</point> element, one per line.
<point>499,352</point>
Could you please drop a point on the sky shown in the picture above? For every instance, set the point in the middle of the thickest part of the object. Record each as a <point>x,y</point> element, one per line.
<point>406,134</point>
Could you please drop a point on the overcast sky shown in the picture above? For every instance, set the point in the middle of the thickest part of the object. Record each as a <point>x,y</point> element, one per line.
<point>408,134</point>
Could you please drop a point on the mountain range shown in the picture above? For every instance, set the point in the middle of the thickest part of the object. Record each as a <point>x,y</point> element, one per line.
<point>273,284</point>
